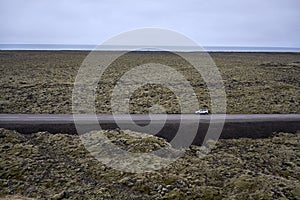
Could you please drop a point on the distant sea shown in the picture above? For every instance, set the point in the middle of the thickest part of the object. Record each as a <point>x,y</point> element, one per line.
<point>118,48</point>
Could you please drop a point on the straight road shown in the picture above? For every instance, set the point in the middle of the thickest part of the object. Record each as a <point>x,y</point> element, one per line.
<point>175,118</point>
<point>165,126</point>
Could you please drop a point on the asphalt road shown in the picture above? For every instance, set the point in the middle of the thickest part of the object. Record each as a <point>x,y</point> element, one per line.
<point>106,118</point>
<point>165,126</point>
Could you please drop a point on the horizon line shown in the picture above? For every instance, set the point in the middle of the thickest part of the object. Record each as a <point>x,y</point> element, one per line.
<point>145,48</point>
<point>233,46</point>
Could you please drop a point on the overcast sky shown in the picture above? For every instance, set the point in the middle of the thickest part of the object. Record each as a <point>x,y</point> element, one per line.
<point>208,22</point>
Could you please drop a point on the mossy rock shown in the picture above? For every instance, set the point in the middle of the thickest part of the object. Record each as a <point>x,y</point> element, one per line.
<point>44,166</point>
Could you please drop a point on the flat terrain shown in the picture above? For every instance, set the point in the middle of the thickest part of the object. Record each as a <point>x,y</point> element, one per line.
<point>57,166</point>
<point>42,82</point>
<point>41,165</point>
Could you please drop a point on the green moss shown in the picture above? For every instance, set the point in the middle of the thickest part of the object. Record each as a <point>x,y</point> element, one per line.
<point>42,82</point>
<point>211,194</point>
<point>169,180</point>
<point>45,166</point>
<point>145,189</point>
<point>174,194</point>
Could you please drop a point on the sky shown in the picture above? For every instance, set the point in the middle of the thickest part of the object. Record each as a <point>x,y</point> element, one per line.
<point>266,23</point>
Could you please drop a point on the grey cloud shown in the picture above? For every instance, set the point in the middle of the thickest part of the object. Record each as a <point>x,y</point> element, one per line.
<point>215,22</point>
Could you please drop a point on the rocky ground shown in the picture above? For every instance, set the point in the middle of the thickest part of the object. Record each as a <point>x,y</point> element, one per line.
<point>57,166</point>
<point>42,82</point>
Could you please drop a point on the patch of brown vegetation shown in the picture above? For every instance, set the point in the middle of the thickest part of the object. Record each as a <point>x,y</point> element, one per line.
<point>42,82</point>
